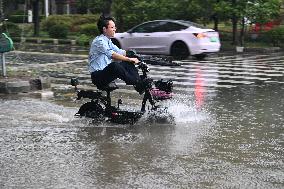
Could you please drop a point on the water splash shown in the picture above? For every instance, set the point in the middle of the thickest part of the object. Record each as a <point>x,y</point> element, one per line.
<point>184,110</point>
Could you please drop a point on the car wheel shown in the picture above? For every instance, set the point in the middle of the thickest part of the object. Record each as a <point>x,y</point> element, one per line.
<point>115,41</point>
<point>200,56</point>
<point>179,50</point>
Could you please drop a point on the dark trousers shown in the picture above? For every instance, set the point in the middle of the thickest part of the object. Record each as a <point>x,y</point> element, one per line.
<point>125,71</point>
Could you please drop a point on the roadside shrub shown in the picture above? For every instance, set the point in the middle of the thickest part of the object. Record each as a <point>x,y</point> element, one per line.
<point>85,19</point>
<point>18,18</point>
<point>58,31</point>
<point>89,29</point>
<point>11,29</point>
<point>22,18</point>
<point>225,36</point>
<point>27,29</point>
<point>275,36</point>
<point>79,20</point>
<point>84,40</point>
<point>72,21</point>
<point>56,20</point>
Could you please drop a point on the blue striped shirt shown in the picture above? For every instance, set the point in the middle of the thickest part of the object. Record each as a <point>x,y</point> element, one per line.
<point>101,51</point>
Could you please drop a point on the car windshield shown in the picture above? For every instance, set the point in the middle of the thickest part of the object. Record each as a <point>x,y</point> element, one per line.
<point>188,23</point>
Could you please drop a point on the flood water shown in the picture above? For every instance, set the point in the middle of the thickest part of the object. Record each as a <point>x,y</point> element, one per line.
<point>228,133</point>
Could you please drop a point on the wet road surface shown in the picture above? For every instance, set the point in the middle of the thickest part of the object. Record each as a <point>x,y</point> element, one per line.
<point>228,129</point>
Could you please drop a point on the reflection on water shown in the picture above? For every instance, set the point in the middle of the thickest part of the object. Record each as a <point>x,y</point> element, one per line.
<point>199,89</point>
<point>234,141</point>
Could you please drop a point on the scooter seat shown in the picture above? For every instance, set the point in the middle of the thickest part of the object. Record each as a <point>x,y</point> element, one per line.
<point>109,87</point>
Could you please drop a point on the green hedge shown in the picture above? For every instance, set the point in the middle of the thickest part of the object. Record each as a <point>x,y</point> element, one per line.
<point>72,21</point>
<point>56,26</point>
<point>225,36</point>
<point>89,29</point>
<point>10,29</point>
<point>84,39</point>
<point>56,20</point>
<point>275,36</point>
<point>21,18</point>
<point>58,31</point>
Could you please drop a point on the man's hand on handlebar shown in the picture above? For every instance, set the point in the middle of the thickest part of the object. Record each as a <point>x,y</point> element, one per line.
<point>134,60</point>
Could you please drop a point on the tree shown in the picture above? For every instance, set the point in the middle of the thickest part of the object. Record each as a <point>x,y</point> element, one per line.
<point>1,10</point>
<point>82,6</point>
<point>262,11</point>
<point>98,6</point>
<point>36,19</point>
<point>137,11</point>
<point>258,11</point>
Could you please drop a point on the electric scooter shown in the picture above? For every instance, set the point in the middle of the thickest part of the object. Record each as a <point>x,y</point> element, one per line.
<point>100,108</point>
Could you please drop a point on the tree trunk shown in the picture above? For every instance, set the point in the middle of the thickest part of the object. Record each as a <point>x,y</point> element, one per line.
<point>107,8</point>
<point>1,10</point>
<point>36,17</point>
<point>235,30</point>
<point>120,23</point>
<point>216,19</point>
<point>235,25</point>
<point>242,33</point>
<point>216,22</point>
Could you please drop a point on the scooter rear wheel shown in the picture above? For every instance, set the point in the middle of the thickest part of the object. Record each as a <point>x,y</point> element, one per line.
<point>91,110</point>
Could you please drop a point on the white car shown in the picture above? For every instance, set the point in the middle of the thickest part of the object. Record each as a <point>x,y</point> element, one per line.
<point>177,38</point>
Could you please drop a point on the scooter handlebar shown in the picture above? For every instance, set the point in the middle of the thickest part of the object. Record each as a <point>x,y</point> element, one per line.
<point>143,66</point>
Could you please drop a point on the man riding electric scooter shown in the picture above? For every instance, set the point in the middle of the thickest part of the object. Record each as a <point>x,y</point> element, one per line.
<point>107,62</point>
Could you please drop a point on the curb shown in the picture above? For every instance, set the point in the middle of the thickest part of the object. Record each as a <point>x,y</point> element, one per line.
<point>23,85</point>
<point>253,49</point>
<point>44,41</point>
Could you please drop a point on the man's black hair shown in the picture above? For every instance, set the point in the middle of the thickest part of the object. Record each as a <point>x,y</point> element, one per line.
<point>103,22</point>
